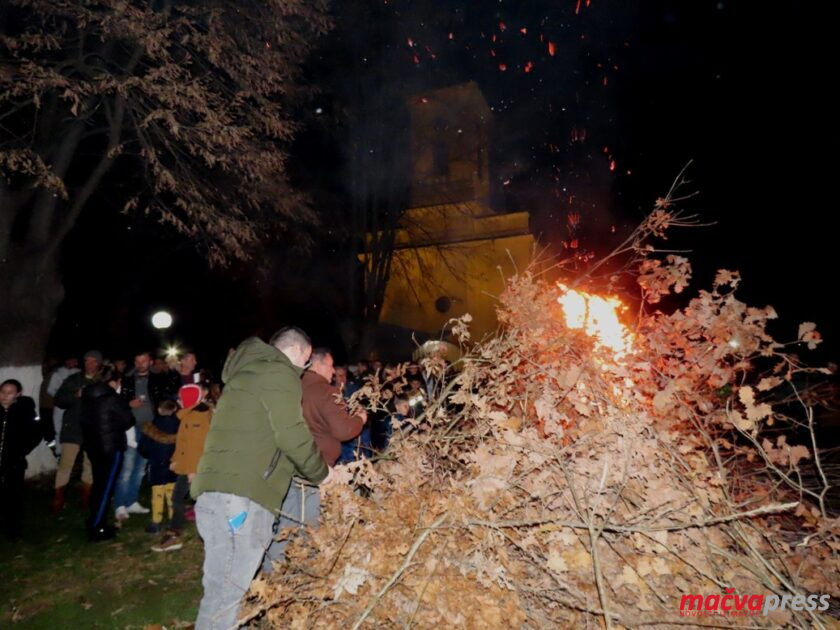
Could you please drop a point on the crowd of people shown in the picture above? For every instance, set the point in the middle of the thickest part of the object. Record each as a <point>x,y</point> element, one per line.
<point>250,451</point>
<point>112,419</point>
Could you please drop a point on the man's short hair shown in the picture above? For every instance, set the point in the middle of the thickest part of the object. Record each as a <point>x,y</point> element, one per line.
<point>320,354</point>
<point>143,353</point>
<point>167,407</point>
<point>289,337</point>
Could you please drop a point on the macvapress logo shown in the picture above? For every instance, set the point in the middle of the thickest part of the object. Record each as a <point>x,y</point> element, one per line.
<point>732,605</point>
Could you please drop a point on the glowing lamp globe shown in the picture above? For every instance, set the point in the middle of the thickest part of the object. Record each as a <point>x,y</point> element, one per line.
<point>161,320</point>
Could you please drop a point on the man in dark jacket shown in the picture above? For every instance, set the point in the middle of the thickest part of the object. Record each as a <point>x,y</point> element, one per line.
<point>257,442</point>
<point>143,390</point>
<point>160,387</point>
<point>330,424</point>
<point>104,420</point>
<point>69,398</point>
<point>20,432</point>
<point>186,373</point>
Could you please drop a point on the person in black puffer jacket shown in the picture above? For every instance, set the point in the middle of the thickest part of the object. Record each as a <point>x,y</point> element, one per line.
<point>105,418</point>
<point>20,432</point>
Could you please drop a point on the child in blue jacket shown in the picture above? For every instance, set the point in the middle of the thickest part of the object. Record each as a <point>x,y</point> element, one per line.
<point>157,444</point>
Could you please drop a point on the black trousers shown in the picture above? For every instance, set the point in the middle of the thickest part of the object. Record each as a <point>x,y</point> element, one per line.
<point>47,426</point>
<point>179,497</point>
<point>106,469</point>
<point>11,499</point>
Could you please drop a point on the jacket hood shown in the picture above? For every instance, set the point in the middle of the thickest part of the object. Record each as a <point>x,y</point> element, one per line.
<point>252,353</point>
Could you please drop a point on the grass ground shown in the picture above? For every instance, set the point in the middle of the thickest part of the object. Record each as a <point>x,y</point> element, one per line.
<point>53,578</point>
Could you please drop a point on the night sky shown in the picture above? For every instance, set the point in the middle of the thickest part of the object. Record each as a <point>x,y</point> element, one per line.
<point>597,106</point>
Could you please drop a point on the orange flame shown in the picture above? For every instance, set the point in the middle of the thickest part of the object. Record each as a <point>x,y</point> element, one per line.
<point>598,318</point>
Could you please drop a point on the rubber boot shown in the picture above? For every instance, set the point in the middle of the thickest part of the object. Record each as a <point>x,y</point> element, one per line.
<point>86,490</point>
<point>58,500</point>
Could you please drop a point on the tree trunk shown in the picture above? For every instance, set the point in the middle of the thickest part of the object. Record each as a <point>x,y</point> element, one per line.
<point>30,280</point>
<point>30,294</point>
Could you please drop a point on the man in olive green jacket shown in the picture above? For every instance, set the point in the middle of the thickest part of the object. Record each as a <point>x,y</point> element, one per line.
<point>258,441</point>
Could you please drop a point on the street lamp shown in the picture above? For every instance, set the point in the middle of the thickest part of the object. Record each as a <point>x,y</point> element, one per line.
<point>161,320</point>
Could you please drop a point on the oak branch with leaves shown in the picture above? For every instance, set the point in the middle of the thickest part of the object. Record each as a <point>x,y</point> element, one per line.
<point>193,100</point>
<point>552,482</point>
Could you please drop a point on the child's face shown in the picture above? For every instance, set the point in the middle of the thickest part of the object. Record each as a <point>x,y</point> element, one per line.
<point>8,394</point>
<point>402,407</point>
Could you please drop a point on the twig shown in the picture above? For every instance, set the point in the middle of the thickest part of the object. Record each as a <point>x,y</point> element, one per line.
<point>593,543</point>
<point>426,583</point>
<point>620,529</point>
<point>414,548</point>
<point>244,621</point>
<point>599,577</point>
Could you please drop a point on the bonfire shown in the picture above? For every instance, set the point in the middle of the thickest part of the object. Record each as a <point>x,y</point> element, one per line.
<point>582,469</point>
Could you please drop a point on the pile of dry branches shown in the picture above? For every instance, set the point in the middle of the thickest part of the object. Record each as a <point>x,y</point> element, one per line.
<point>554,483</point>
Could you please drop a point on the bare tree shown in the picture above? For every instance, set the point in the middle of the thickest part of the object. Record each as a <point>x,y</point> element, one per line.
<point>191,99</point>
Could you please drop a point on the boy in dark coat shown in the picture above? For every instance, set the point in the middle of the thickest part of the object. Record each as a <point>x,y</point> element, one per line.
<point>20,432</point>
<point>157,444</point>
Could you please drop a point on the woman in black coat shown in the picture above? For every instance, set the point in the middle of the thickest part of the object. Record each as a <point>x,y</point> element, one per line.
<point>104,419</point>
<point>20,432</point>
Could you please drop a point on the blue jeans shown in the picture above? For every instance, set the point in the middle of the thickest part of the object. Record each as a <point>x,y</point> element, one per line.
<point>131,476</point>
<point>301,507</point>
<point>232,554</point>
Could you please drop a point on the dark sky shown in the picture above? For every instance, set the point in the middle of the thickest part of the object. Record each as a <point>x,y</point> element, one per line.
<point>596,109</point>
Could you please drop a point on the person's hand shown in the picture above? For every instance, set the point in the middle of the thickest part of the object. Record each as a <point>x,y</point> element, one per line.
<point>363,415</point>
<point>190,477</point>
<point>172,466</point>
<point>135,403</point>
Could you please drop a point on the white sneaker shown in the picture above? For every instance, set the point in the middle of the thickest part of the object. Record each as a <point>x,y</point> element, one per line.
<point>136,508</point>
<point>121,513</point>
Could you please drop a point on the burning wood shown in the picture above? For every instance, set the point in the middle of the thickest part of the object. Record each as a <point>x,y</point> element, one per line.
<point>598,317</point>
<point>549,484</point>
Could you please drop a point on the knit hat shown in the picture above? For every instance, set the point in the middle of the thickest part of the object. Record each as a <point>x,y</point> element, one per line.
<point>190,396</point>
<point>93,354</point>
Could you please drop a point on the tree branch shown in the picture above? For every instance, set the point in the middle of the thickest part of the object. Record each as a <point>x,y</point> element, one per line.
<point>45,204</point>
<point>93,179</point>
<point>396,576</point>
